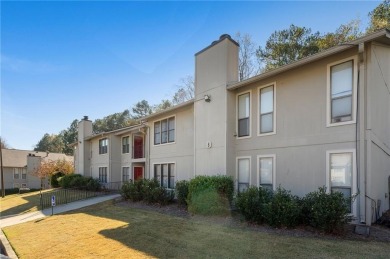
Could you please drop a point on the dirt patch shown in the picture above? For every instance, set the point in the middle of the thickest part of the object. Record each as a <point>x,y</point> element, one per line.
<point>377,232</point>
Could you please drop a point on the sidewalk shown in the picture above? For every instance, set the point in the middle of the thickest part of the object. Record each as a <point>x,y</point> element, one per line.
<point>13,220</point>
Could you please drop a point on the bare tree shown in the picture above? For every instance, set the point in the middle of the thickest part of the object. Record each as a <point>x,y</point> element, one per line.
<point>3,143</point>
<point>185,90</point>
<point>248,65</point>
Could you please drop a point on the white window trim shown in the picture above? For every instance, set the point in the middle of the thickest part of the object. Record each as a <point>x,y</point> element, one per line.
<point>354,92</point>
<point>258,110</point>
<point>250,113</point>
<point>129,176</point>
<point>159,120</point>
<point>163,163</point>
<point>127,136</point>
<point>354,177</point>
<point>273,156</point>
<point>99,147</point>
<point>250,169</point>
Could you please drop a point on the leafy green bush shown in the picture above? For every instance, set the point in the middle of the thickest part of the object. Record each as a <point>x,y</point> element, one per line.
<point>210,194</point>
<point>326,211</point>
<point>93,184</point>
<point>147,190</point>
<point>284,209</point>
<point>66,180</point>
<point>54,179</point>
<point>253,203</point>
<point>181,190</point>
<point>78,182</point>
<point>209,202</point>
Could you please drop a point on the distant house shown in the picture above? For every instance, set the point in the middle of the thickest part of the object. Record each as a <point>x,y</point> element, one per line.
<point>18,166</point>
<point>320,121</point>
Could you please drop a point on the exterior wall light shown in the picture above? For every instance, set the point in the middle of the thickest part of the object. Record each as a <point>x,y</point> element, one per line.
<point>207,98</point>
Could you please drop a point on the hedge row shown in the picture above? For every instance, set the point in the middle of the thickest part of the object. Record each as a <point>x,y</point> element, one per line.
<point>79,181</point>
<point>324,211</point>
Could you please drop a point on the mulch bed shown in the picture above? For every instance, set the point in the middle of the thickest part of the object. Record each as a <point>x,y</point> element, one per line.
<point>377,232</point>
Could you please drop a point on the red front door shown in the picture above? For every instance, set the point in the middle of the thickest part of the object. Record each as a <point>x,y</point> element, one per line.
<point>138,147</point>
<point>138,172</point>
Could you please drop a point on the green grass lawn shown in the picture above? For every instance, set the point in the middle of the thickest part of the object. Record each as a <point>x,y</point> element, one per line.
<point>111,231</point>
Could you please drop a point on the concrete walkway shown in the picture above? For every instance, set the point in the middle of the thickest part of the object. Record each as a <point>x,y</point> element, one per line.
<point>13,220</point>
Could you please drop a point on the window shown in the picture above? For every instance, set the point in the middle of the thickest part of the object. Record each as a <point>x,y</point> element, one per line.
<point>341,173</point>
<point>243,171</point>
<point>165,175</point>
<point>103,174</point>
<point>164,131</point>
<point>125,145</point>
<point>125,174</point>
<point>266,109</point>
<point>16,185</point>
<point>103,143</point>
<point>266,171</point>
<point>24,173</point>
<point>243,115</point>
<point>16,173</point>
<point>24,185</point>
<point>341,92</point>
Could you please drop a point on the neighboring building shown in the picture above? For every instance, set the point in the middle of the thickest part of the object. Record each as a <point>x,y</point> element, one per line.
<point>18,166</point>
<point>321,121</point>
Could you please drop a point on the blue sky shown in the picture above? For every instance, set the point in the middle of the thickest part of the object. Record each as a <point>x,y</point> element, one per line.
<point>63,60</point>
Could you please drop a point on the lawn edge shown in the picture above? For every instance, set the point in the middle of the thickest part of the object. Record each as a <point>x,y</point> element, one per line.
<point>7,246</point>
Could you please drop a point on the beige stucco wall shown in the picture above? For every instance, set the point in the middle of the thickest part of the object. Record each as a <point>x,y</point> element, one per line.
<point>99,160</point>
<point>378,128</point>
<point>302,137</point>
<point>181,152</point>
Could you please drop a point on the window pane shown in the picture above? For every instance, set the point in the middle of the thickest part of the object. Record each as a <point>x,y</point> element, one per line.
<point>266,170</point>
<point>165,175</point>
<point>171,123</point>
<point>243,106</point>
<point>266,123</point>
<point>164,137</point>
<point>172,176</point>
<point>341,170</point>
<point>157,136</point>
<point>164,131</point>
<point>243,127</point>
<point>171,136</point>
<point>164,125</point>
<point>243,171</point>
<point>267,100</point>
<point>342,107</point>
<point>341,79</point>
<point>157,173</point>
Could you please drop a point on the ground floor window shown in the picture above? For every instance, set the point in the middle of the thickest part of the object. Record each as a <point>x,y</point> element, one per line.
<point>16,185</point>
<point>165,175</point>
<point>341,173</point>
<point>243,173</point>
<point>125,174</point>
<point>103,174</point>
<point>24,185</point>
<point>266,171</point>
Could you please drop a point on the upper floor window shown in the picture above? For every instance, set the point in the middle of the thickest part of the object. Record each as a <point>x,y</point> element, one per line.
<point>125,145</point>
<point>103,144</point>
<point>16,173</point>
<point>341,91</point>
<point>243,113</point>
<point>266,109</point>
<point>164,131</point>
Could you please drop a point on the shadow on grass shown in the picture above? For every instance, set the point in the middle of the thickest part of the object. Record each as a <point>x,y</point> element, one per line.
<point>19,204</point>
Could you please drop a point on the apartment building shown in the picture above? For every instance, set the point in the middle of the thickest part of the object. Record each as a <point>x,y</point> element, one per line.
<point>19,166</point>
<point>320,121</point>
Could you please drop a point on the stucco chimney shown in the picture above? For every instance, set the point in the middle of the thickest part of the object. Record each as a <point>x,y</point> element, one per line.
<point>83,147</point>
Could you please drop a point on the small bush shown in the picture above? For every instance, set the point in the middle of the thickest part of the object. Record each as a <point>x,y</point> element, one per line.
<point>209,202</point>
<point>147,190</point>
<point>181,190</point>
<point>54,179</point>
<point>210,194</point>
<point>253,203</point>
<point>326,211</point>
<point>93,184</point>
<point>283,210</point>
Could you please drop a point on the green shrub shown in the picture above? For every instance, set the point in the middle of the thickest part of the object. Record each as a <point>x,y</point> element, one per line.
<point>253,203</point>
<point>284,209</point>
<point>181,190</point>
<point>93,184</point>
<point>146,190</point>
<point>326,211</point>
<point>209,202</point>
<point>66,181</point>
<point>78,182</point>
<point>54,179</point>
<point>210,194</point>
